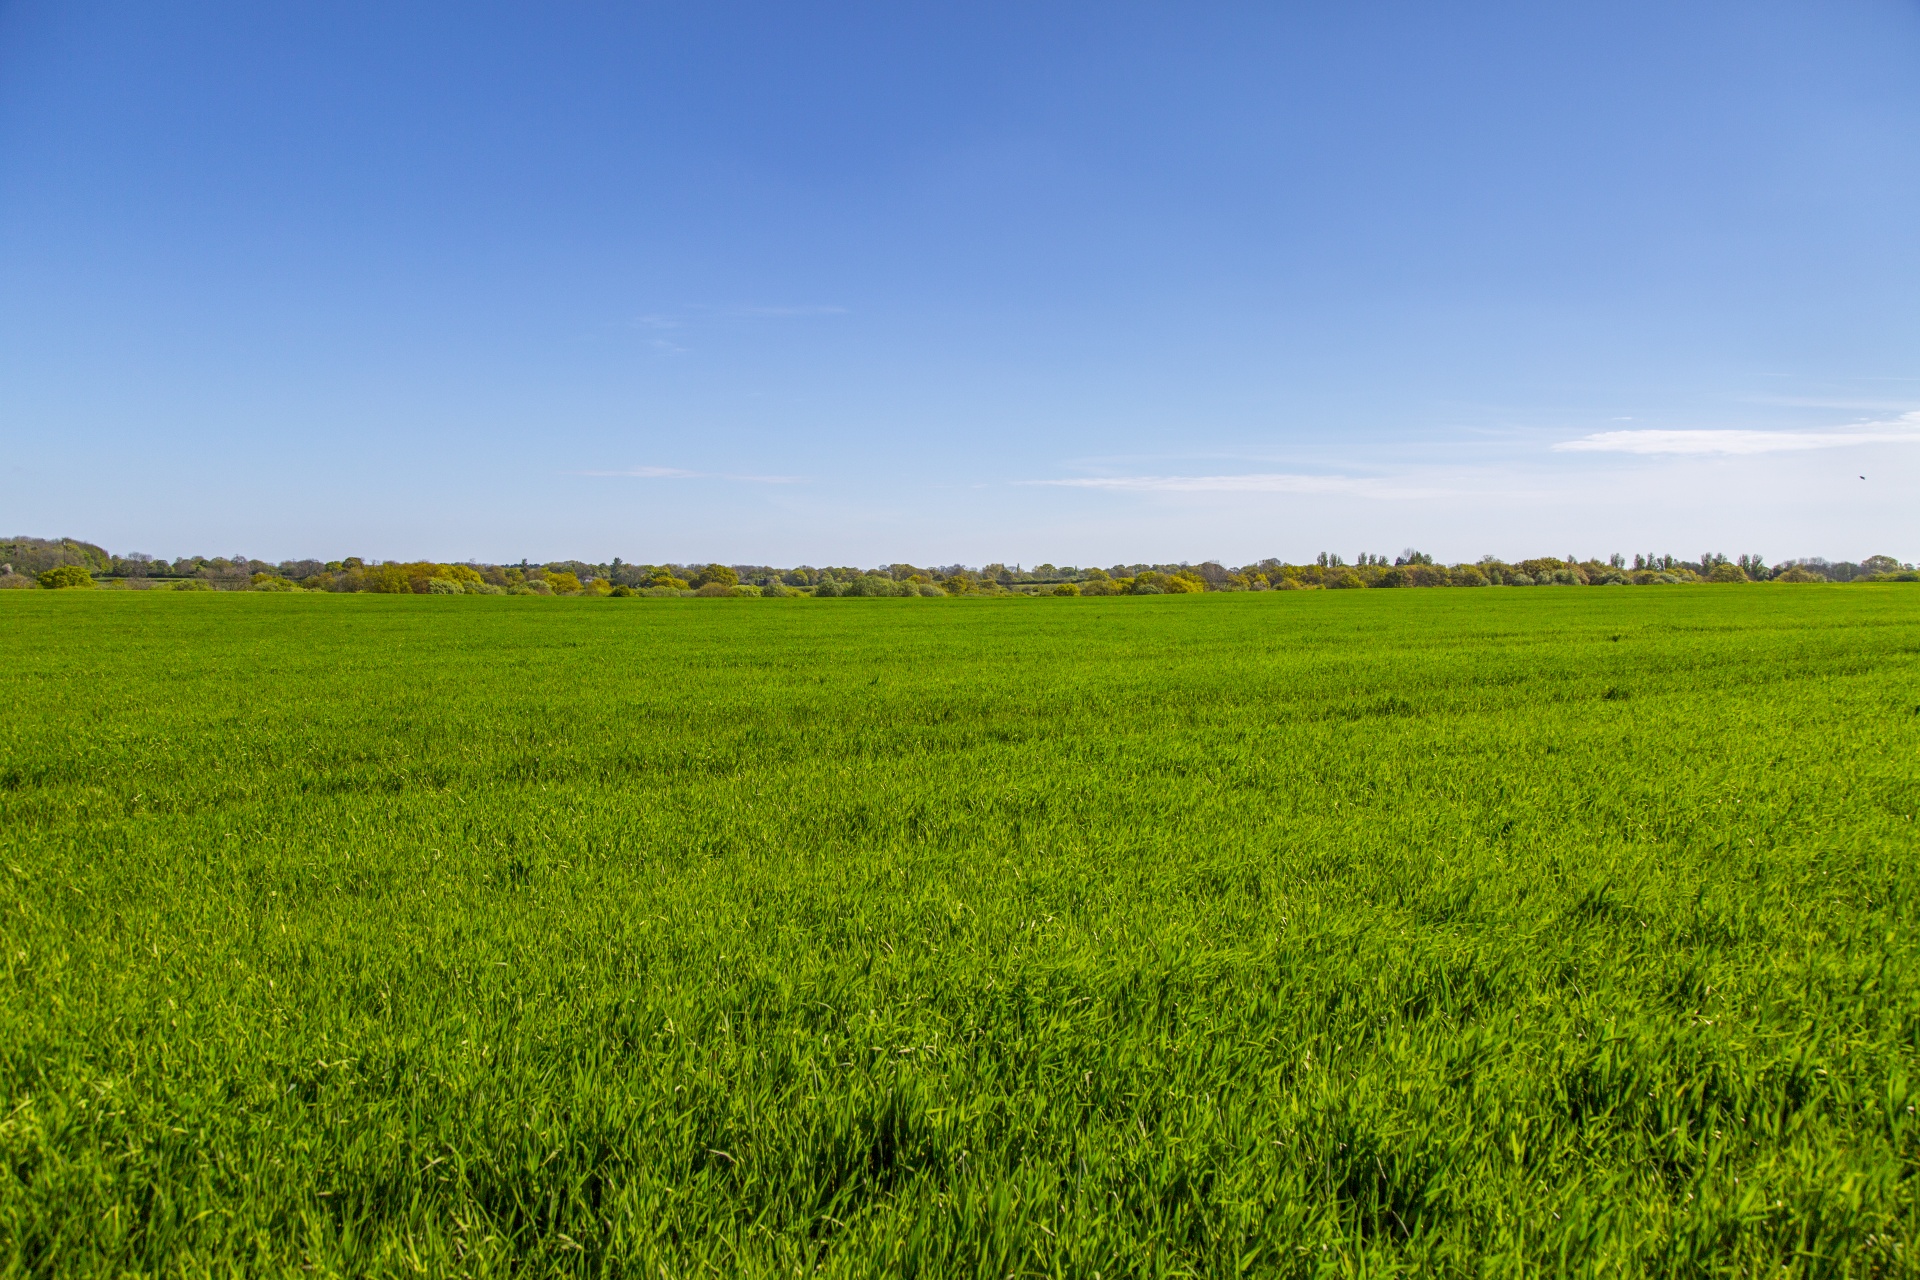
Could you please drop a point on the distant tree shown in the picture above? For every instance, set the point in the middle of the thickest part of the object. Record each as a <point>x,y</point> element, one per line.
<point>386,579</point>
<point>563,583</point>
<point>63,577</point>
<point>1726,571</point>
<point>716,575</point>
<point>34,556</point>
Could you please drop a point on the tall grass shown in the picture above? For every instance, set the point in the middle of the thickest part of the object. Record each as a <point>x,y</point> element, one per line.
<point>1398,933</point>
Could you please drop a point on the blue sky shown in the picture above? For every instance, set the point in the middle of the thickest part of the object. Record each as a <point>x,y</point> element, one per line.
<point>1074,283</point>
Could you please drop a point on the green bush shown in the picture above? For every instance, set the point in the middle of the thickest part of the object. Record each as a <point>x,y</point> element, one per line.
<point>64,576</point>
<point>1727,571</point>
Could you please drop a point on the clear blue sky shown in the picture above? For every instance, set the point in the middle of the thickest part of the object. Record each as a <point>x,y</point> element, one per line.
<point>1077,283</point>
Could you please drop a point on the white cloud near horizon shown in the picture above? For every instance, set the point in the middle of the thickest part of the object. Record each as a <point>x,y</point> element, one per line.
<point>677,473</point>
<point>1904,430</point>
<point>1257,482</point>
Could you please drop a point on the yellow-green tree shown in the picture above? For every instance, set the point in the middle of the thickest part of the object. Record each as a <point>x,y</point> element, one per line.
<point>65,576</point>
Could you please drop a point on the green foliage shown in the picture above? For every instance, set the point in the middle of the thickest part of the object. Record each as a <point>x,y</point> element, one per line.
<point>1726,571</point>
<point>575,577</point>
<point>34,556</point>
<point>1411,933</point>
<point>65,576</point>
<point>386,579</point>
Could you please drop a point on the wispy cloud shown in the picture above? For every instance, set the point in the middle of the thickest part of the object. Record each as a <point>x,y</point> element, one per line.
<point>1256,482</point>
<point>1905,430</point>
<point>645,473</point>
<point>699,312</point>
<point>748,312</point>
<point>676,473</point>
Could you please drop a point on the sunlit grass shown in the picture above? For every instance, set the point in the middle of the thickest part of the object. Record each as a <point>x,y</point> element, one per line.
<point>1448,931</point>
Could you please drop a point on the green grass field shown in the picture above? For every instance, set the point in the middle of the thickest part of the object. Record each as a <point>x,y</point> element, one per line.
<point>1446,932</point>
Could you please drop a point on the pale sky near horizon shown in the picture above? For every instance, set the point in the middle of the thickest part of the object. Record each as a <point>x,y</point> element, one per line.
<point>1078,283</point>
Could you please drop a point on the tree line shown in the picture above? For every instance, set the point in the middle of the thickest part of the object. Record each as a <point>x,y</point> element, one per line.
<point>68,562</point>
